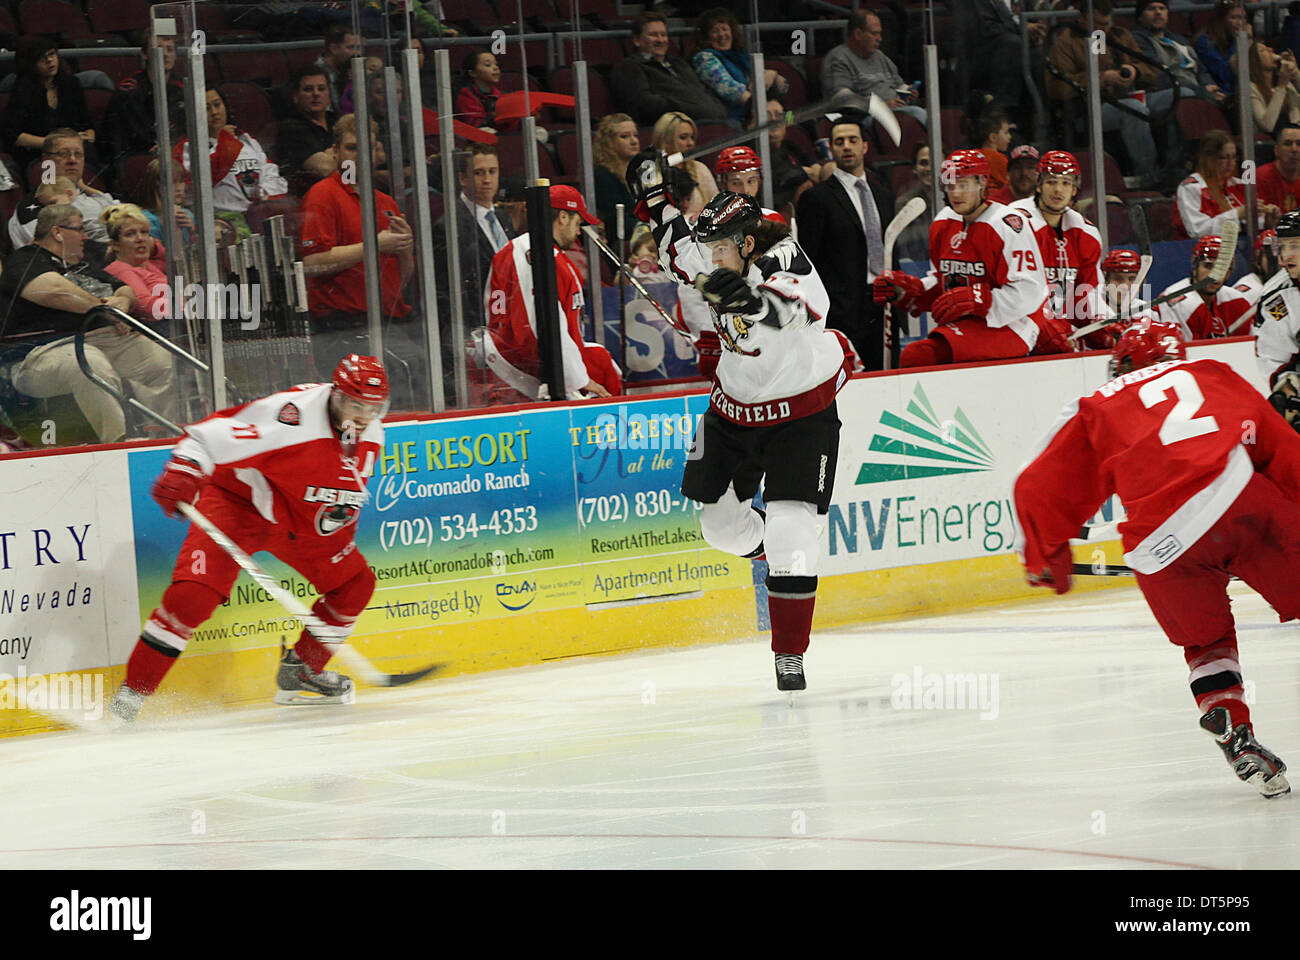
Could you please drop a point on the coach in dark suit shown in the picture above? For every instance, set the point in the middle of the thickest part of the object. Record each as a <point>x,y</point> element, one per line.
<point>482,228</point>
<point>842,224</point>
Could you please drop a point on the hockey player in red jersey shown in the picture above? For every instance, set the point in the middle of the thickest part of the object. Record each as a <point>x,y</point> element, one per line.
<point>772,414</point>
<point>986,291</point>
<point>510,346</point>
<point>1263,264</point>
<point>282,474</point>
<point>1209,475</point>
<point>1069,244</point>
<point>741,171</point>
<point>1209,314</point>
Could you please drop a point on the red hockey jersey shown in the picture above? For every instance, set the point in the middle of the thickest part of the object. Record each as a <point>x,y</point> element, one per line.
<point>998,252</point>
<point>1199,320</point>
<point>1178,441</point>
<point>282,455</point>
<point>1071,257</point>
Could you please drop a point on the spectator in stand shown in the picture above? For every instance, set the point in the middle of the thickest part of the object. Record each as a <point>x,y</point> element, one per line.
<point>914,242</point>
<point>841,228</point>
<point>993,137</point>
<point>305,134</point>
<point>64,148</point>
<point>332,246</point>
<point>151,189</point>
<point>140,261</point>
<point>724,66</point>
<point>1217,44</point>
<point>348,102</point>
<point>341,45</point>
<point>860,65</point>
<point>1214,194</point>
<point>1279,181</point>
<point>476,103</point>
<point>793,171</point>
<point>389,18</point>
<point>643,259</point>
<point>650,83</point>
<point>615,144</point>
<point>1022,176</point>
<point>1122,79</point>
<point>677,133</point>
<point>128,121</point>
<point>45,285</point>
<point>482,228</point>
<point>45,97</point>
<point>241,173</point>
<point>1274,96</point>
<point>1177,54</point>
<point>992,35</point>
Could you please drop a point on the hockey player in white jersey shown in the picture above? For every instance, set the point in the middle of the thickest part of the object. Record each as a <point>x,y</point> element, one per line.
<point>1277,324</point>
<point>772,413</point>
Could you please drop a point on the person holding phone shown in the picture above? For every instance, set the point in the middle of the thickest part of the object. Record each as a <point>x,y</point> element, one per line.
<point>860,65</point>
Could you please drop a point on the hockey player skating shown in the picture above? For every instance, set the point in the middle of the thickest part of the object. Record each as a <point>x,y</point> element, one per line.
<point>1068,243</point>
<point>986,292</point>
<point>1277,325</point>
<point>772,413</point>
<point>1210,477</point>
<point>1201,316</point>
<point>281,474</point>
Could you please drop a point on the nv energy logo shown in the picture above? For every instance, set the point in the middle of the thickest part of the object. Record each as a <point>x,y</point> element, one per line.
<point>918,444</point>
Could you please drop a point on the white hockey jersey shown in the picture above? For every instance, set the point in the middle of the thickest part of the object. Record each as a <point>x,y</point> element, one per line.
<point>776,365</point>
<point>1277,327</point>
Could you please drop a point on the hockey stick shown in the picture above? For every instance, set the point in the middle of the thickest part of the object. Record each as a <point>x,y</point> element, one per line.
<point>1218,273</point>
<point>1102,570</point>
<point>1138,218</point>
<point>911,210</point>
<point>626,271</point>
<point>843,100</point>
<point>314,625</point>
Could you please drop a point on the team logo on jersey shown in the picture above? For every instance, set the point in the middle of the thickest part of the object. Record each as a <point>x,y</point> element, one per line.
<point>339,507</point>
<point>956,240</point>
<point>1013,221</point>
<point>919,443</point>
<point>289,415</point>
<point>1277,310</point>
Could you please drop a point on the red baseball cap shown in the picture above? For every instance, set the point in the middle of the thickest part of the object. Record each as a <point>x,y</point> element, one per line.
<point>565,197</point>
<point>1023,152</point>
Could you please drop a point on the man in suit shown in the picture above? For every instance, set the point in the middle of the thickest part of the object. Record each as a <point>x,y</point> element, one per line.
<point>842,224</point>
<point>482,229</point>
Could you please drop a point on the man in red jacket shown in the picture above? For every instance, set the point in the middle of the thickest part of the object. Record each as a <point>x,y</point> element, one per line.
<point>282,474</point>
<point>1209,474</point>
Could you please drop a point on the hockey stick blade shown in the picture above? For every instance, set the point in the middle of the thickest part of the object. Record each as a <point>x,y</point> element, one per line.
<point>1138,219</point>
<point>313,625</point>
<point>1102,570</point>
<point>885,117</point>
<point>902,220</point>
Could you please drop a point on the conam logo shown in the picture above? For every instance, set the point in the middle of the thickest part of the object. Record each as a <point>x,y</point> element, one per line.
<point>919,444</point>
<point>521,595</point>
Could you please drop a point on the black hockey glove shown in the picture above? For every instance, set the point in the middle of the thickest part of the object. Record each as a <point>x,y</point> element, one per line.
<point>729,292</point>
<point>1286,398</point>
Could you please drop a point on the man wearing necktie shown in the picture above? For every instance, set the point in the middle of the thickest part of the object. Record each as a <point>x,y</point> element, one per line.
<point>841,228</point>
<point>482,228</point>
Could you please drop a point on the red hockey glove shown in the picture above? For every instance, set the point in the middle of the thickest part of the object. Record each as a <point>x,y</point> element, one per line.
<point>709,350</point>
<point>895,286</point>
<point>961,302</point>
<point>178,483</point>
<point>1057,574</point>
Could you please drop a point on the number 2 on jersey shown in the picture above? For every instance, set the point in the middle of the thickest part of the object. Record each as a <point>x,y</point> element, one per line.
<point>1180,423</point>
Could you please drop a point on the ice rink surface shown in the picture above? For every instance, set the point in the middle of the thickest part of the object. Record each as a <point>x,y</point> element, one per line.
<point>1085,755</point>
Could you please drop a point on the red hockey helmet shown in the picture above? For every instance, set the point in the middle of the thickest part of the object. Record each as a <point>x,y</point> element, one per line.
<point>1121,261</point>
<point>1060,163</point>
<point>1207,249</point>
<point>1144,343</point>
<point>362,378</point>
<point>737,160</point>
<point>1265,236</point>
<point>964,163</point>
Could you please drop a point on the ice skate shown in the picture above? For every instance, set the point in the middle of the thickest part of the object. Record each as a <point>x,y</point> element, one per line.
<point>124,706</point>
<point>1249,759</point>
<point>789,672</point>
<point>299,684</point>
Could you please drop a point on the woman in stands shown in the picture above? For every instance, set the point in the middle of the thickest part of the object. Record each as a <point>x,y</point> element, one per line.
<point>614,146</point>
<point>676,133</point>
<point>139,261</point>
<point>724,65</point>
<point>241,173</point>
<point>1217,44</point>
<point>153,206</point>
<point>46,96</point>
<point>1274,95</point>
<point>1214,193</point>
